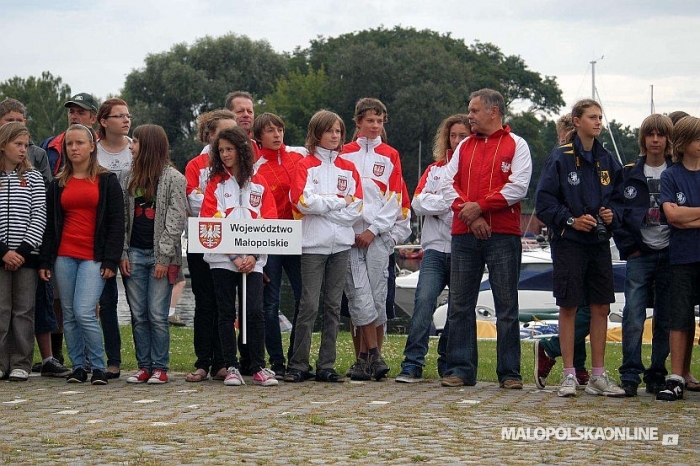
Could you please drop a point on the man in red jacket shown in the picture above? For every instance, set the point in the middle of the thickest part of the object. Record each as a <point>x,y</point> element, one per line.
<point>487,177</point>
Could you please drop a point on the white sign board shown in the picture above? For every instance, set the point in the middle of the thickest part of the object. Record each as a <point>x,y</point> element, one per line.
<point>239,236</point>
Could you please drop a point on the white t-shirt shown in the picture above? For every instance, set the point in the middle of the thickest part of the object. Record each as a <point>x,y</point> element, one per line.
<point>655,231</point>
<point>119,163</point>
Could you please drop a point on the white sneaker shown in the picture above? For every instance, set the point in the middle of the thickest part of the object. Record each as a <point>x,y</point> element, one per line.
<point>19,375</point>
<point>265,377</point>
<point>568,386</point>
<point>233,378</point>
<point>602,385</point>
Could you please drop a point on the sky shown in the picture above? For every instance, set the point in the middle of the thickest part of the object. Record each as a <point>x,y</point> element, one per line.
<point>636,44</point>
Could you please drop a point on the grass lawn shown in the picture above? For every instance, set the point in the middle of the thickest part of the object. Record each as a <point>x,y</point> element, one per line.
<point>182,355</point>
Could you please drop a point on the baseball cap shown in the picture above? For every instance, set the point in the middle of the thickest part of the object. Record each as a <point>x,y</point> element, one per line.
<point>83,100</point>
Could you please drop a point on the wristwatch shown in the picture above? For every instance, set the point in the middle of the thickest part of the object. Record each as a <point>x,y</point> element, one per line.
<point>570,221</point>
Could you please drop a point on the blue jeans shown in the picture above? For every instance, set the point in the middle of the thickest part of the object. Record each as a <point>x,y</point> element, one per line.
<point>502,254</point>
<point>271,300</point>
<point>80,285</point>
<point>149,300</point>
<point>647,275</point>
<point>110,322</point>
<point>434,276</point>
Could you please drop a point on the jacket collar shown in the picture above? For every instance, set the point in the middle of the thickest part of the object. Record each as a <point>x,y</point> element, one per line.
<point>325,155</point>
<point>370,143</point>
<point>270,154</point>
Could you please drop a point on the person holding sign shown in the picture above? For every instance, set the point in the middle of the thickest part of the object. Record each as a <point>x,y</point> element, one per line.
<point>234,191</point>
<point>327,196</point>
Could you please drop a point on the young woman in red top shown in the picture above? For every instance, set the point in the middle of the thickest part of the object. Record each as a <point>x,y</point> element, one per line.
<point>82,242</point>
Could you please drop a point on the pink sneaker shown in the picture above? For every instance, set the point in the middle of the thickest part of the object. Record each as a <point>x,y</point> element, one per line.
<point>265,377</point>
<point>158,376</point>
<point>233,378</point>
<point>141,376</point>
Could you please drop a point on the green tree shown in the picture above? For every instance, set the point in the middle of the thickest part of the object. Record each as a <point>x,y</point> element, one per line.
<point>175,87</point>
<point>295,99</point>
<point>541,136</point>
<point>44,98</point>
<point>626,140</point>
<point>422,77</point>
<point>511,76</point>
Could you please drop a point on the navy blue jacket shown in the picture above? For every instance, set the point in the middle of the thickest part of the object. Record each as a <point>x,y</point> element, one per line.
<point>628,237</point>
<point>565,190</point>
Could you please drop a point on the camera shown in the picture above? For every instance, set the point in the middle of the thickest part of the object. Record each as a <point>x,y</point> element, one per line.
<point>600,231</point>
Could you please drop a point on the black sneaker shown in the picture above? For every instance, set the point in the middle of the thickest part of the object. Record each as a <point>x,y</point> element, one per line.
<point>360,370</point>
<point>630,389</point>
<point>348,373</point>
<point>655,386</point>
<point>410,374</point>
<point>377,367</point>
<point>672,392</point>
<point>37,367</point>
<point>98,377</point>
<point>310,373</point>
<point>53,368</point>
<point>279,371</point>
<point>77,376</point>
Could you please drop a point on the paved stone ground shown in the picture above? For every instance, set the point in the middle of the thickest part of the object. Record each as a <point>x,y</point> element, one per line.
<point>46,421</point>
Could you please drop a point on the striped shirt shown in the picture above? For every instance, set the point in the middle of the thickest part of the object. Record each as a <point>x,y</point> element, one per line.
<point>22,210</point>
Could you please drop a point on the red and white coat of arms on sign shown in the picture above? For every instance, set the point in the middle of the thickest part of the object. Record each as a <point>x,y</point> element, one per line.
<point>378,169</point>
<point>342,184</point>
<point>210,234</point>
<point>255,199</point>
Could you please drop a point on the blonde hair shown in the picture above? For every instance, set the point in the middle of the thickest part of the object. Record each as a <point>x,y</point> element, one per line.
<point>686,131</point>
<point>441,143</point>
<point>208,122</point>
<point>565,127</point>
<point>94,168</point>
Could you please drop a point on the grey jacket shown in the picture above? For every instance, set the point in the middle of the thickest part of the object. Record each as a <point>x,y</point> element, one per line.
<point>171,208</point>
<point>40,161</point>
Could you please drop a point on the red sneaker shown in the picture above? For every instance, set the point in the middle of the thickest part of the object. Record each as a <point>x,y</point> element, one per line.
<point>158,376</point>
<point>582,377</point>
<point>543,365</point>
<point>141,376</point>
